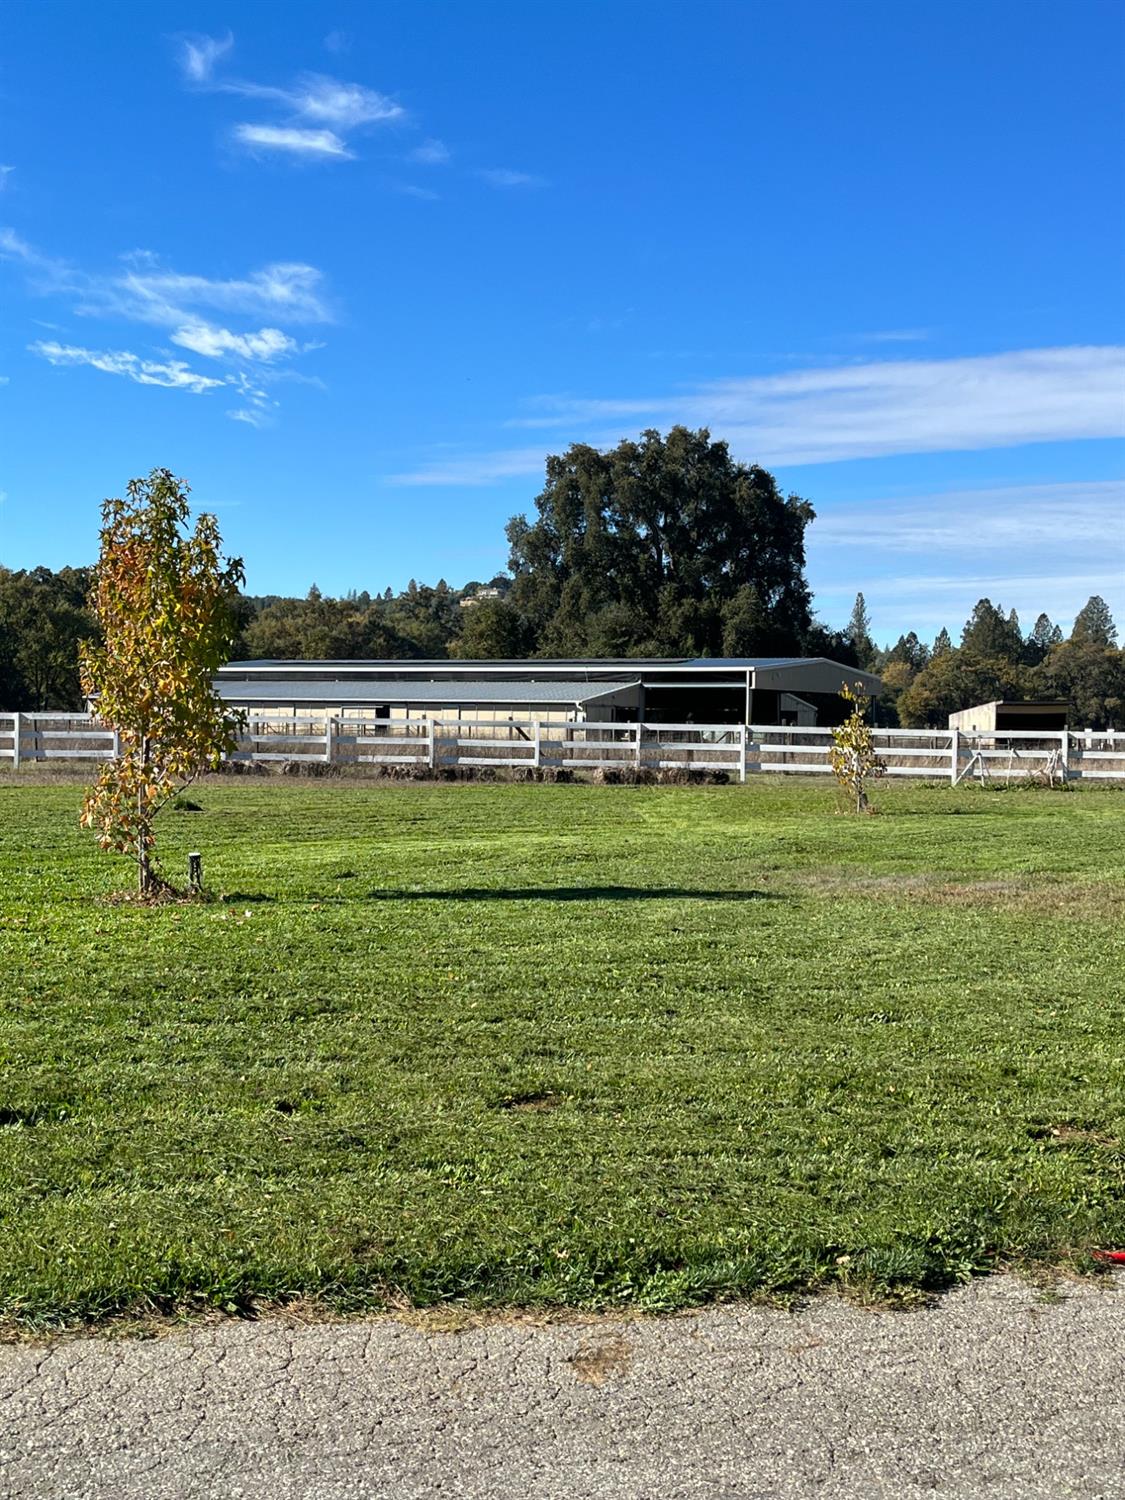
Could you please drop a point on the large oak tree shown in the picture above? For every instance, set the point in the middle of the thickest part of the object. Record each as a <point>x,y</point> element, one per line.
<point>666,546</point>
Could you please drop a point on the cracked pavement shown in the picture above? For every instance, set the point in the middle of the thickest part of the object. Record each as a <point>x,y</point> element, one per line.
<point>997,1391</point>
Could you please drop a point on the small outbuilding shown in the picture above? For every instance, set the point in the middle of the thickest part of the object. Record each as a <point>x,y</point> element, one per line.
<point>1048,714</point>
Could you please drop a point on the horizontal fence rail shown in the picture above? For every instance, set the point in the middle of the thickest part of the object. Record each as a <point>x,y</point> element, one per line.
<point>740,750</point>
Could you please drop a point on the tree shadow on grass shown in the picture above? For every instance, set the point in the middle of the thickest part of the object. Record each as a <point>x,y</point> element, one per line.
<point>575,893</point>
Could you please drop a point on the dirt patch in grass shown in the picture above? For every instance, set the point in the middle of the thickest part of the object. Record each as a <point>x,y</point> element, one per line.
<point>1025,896</point>
<point>531,1103</point>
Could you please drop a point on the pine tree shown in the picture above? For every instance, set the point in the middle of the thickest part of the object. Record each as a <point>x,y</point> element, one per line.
<point>942,643</point>
<point>1044,634</point>
<point>859,632</point>
<point>1094,623</point>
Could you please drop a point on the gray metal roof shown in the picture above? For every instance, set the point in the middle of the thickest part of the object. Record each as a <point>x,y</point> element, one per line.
<point>303,690</point>
<point>629,664</point>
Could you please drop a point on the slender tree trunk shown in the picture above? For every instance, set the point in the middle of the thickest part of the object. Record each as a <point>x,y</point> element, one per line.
<point>144,867</point>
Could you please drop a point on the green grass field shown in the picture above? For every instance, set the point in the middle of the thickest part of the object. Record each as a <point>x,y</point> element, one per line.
<point>558,1044</point>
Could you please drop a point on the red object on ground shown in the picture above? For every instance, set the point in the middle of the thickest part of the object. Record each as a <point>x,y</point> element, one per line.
<point>1117,1256</point>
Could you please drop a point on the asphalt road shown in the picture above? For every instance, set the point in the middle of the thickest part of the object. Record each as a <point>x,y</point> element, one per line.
<point>996,1392</point>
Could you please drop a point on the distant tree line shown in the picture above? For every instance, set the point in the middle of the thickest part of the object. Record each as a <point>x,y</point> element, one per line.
<point>665,546</point>
<point>924,684</point>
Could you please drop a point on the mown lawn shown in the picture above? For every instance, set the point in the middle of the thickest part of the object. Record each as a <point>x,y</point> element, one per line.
<point>558,1044</point>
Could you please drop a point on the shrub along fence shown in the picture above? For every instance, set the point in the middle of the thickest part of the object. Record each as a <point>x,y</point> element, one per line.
<point>740,750</point>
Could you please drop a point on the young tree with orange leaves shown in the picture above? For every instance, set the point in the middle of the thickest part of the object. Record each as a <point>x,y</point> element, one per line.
<point>163,598</point>
<point>852,752</point>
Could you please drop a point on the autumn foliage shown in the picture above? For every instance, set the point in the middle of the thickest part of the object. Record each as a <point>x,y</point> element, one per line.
<point>162,596</point>
<point>852,753</point>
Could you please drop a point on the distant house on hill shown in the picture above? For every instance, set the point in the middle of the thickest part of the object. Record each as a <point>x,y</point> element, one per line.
<point>796,690</point>
<point>479,595</point>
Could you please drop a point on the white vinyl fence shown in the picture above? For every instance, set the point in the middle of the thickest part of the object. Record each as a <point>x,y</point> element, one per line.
<point>741,751</point>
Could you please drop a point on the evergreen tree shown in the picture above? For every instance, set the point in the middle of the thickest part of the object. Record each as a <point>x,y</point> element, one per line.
<point>859,630</point>
<point>1094,623</point>
<point>942,643</point>
<point>988,634</point>
<point>1044,635</point>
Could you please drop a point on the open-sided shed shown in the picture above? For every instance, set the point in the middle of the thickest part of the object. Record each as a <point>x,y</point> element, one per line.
<point>1048,714</point>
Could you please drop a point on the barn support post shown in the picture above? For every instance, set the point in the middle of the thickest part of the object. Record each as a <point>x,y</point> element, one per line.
<point>17,730</point>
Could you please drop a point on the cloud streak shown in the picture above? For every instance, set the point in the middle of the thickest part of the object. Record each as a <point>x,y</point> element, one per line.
<point>1059,518</point>
<point>266,345</point>
<point>830,415</point>
<point>174,374</point>
<point>317,111</point>
<point>930,557</point>
<point>199,55</point>
<point>504,177</point>
<point>311,144</point>
<point>180,304</point>
<point>430,153</point>
<point>324,100</point>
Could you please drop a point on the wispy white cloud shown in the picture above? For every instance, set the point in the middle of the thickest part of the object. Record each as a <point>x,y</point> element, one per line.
<point>504,177</point>
<point>928,558</point>
<point>412,190</point>
<point>252,416</point>
<point>827,415</point>
<point>337,41</point>
<point>146,292</point>
<point>1057,518</point>
<point>868,410</point>
<point>475,468</point>
<point>293,140</point>
<point>266,345</point>
<point>318,111</point>
<point>325,100</point>
<point>5,173</point>
<point>199,54</point>
<point>174,374</point>
<point>897,336</point>
<point>431,153</point>
<point>15,247</point>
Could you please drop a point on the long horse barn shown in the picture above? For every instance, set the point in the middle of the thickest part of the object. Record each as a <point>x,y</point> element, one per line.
<point>785,690</point>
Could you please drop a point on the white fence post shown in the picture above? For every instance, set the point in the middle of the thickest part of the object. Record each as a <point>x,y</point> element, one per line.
<point>954,755</point>
<point>1064,754</point>
<point>329,737</point>
<point>637,748</point>
<point>537,743</point>
<point>743,733</point>
<point>431,743</point>
<point>16,732</point>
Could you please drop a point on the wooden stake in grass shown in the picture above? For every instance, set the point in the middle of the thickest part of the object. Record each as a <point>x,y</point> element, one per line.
<point>852,754</point>
<point>162,596</point>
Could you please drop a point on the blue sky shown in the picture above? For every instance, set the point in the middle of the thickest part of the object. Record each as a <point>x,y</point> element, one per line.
<point>354,269</point>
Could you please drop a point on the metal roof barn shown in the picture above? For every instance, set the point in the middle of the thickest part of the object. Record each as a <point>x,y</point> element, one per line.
<point>702,690</point>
